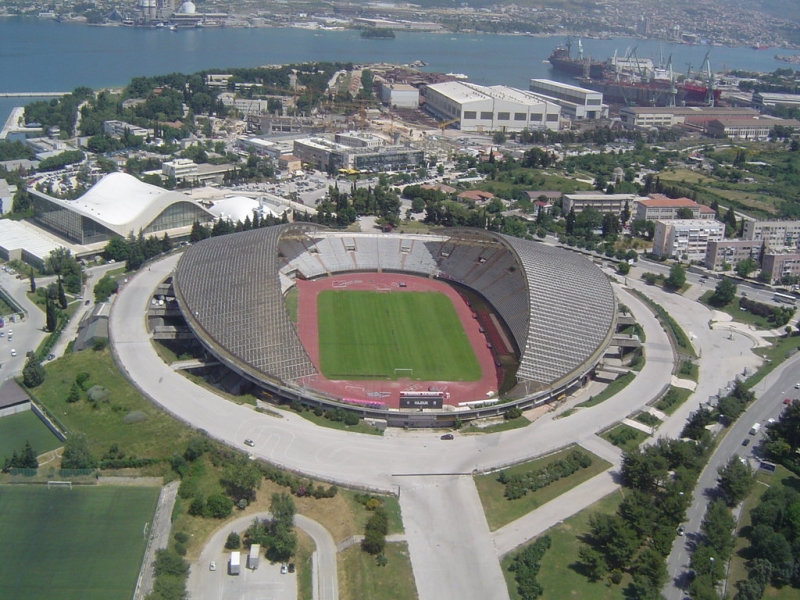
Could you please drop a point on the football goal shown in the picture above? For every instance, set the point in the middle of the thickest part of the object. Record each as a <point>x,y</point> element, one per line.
<point>57,484</point>
<point>407,373</point>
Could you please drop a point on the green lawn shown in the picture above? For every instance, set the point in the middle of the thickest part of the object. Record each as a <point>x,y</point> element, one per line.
<point>126,418</point>
<point>23,427</point>
<point>624,437</point>
<point>360,577</point>
<point>741,316</point>
<point>559,575</point>
<point>501,511</point>
<point>79,544</point>
<point>362,427</point>
<point>674,397</point>
<point>616,386</point>
<point>368,335</point>
<point>361,515</point>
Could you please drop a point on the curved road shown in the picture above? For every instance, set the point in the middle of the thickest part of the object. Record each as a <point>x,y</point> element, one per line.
<point>428,473</point>
<point>206,584</point>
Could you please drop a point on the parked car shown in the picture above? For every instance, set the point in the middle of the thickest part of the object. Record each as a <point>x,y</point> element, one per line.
<point>249,442</point>
<point>284,569</point>
<point>212,566</point>
<point>447,436</point>
<point>746,442</point>
<point>13,352</point>
<point>786,401</point>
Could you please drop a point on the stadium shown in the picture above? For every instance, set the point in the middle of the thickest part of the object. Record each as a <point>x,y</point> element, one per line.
<point>417,330</point>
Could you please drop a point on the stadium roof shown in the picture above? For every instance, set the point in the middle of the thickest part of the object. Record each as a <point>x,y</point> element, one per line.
<point>559,307</point>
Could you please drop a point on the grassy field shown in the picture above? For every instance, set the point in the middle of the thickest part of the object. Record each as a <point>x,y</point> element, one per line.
<point>368,335</point>
<point>79,544</point>
<point>740,316</point>
<point>624,437</point>
<point>361,577</point>
<point>15,430</point>
<point>616,386</point>
<point>558,574</point>
<point>738,568</point>
<point>501,511</point>
<point>126,418</point>
<point>674,397</point>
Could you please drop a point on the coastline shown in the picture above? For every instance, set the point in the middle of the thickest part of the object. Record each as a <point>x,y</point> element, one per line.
<point>241,22</point>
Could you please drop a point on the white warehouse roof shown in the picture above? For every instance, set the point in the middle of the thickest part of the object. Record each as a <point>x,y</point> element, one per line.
<point>16,236</point>
<point>238,208</point>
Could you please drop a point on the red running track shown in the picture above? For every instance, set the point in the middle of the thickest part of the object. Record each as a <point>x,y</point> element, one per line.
<point>388,392</point>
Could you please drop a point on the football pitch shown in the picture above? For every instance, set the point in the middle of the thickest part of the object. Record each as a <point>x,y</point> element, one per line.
<point>80,544</point>
<point>379,335</point>
<point>15,430</point>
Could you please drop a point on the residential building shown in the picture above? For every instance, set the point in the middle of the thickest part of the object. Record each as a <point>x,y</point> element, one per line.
<point>730,252</point>
<point>605,203</point>
<point>495,108</point>
<point>289,162</point>
<point>118,128</point>
<point>399,95</point>
<point>774,234</point>
<point>180,169</point>
<point>779,265</point>
<point>575,102</point>
<point>658,207</point>
<point>686,239</point>
<point>7,191</point>
<point>326,155</point>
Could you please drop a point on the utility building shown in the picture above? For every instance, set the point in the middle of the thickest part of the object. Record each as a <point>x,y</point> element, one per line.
<point>496,108</point>
<point>575,102</point>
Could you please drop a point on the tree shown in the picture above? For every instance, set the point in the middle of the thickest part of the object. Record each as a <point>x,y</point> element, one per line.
<point>234,541</point>
<point>241,480</point>
<point>787,428</point>
<point>593,563</point>
<point>169,563</point>
<point>33,374</point>
<point>104,288</point>
<point>77,454</point>
<point>677,277</point>
<point>218,506</point>
<point>570,224</point>
<point>62,297</point>
<point>116,249</point>
<point>282,508</point>
<point>745,267</point>
<point>33,282</point>
<point>724,293</point>
<point>735,481</point>
<point>624,268</point>
<point>51,318</point>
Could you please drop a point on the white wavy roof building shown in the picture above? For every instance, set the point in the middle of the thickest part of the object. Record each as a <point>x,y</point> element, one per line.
<point>238,208</point>
<point>117,205</point>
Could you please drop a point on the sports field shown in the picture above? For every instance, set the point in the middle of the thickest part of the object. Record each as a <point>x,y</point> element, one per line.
<point>15,430</point>
<point>79,544</point>
<point>379,335</point>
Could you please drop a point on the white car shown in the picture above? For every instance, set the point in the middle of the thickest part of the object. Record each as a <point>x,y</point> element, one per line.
<point>212,566</point>
<point>13,352</point>
<point>797,385</point>
<point>283,569</point>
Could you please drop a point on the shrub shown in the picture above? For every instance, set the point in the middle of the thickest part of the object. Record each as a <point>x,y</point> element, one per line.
<point>233,542</point>
<point>181,537</point>
<point>519,485</point>
<point>180,549</point>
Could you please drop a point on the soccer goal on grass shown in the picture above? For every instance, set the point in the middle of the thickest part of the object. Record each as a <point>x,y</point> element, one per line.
<point>59,484</point>
<point>406,373</point>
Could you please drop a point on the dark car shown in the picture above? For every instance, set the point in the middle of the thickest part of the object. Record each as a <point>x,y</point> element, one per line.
<point>447,436</point>
<point>746,442</point>
<point>87,303</point>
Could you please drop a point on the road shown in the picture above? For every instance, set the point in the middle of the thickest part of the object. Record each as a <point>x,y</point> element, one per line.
<point>769,403</point>
<point>159,538</point>
<point>407,462</point>
<point>27,334</point>
<point>204,584</point>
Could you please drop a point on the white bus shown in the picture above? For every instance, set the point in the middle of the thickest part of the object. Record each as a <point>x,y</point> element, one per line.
<point>787,298</point>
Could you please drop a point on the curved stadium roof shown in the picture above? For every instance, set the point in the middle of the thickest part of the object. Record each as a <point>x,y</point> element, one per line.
<point>558,305</point>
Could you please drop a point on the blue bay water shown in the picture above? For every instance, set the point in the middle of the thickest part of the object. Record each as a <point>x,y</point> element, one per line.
<point>43,56</point>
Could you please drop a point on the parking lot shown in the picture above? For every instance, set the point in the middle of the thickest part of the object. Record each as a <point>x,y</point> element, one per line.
<point>265,583</point>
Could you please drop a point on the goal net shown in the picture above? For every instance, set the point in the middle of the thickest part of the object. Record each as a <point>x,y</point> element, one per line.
<point>59,484</point>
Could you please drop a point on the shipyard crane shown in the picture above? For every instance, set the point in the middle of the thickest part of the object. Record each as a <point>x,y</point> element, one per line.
<point>705,68</point>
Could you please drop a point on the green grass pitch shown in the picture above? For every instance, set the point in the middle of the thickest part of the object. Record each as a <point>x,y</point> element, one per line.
<point>369,335</point>
<point>80,544</point>
<point>15,430</point>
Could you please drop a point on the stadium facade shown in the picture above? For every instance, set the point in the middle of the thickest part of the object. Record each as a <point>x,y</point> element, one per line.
<point>559,307</point>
